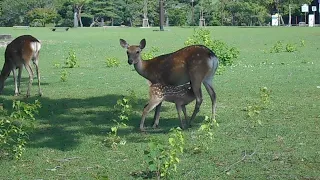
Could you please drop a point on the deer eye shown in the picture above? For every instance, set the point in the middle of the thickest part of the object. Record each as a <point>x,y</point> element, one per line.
<point>138,51</point>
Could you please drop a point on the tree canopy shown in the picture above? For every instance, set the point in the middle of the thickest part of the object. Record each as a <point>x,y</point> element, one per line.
<point>130,12</point>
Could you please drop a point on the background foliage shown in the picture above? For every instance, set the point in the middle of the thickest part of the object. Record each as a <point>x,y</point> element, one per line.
<point>130,12</point>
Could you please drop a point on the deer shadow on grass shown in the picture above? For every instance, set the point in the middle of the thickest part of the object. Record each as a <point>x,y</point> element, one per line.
<point>9,86</point>
<point>62,122</point>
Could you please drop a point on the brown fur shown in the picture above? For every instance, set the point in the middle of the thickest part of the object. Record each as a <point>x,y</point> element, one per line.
<point>19,54</point>
<point>180,95</point>
<point>196,64</point>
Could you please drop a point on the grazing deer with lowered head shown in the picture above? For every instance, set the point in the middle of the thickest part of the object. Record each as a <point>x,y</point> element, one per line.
<point>196,64</point>
<point>20,52</point>
<point>180,95</point>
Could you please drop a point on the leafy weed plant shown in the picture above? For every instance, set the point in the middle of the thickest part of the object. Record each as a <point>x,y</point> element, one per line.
<point>150,54</point>
<point>162,159</point>
<point>64,75</point>
<point>112,62</point>
<point>15,128</point>
<point>124,109</point>
<point>255,109</point>
<point>71,60</point>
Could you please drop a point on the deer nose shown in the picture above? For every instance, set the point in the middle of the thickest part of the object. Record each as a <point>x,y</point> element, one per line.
<point>130,61</point>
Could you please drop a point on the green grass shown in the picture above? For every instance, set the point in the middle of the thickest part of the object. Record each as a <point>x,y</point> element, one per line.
<point>76,115</point>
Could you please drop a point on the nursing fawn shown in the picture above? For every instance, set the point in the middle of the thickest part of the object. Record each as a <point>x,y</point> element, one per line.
<point>196,64</point>
<point>180,95</point>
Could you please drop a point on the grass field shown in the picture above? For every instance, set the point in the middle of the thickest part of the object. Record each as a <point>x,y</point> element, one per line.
<point>76,115</point>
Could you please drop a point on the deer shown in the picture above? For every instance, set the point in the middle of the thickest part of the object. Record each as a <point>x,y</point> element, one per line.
<point>18,54</point>
<point>180,95</point>
<point>196,64</point>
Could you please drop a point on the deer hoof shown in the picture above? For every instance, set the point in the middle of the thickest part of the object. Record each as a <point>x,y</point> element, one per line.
<point>155,126</point>
<point>142,129</point>
<point>40,94</point>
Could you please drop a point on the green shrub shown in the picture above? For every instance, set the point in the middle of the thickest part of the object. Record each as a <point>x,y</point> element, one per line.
<point>71,60</point>
<point>112,62</point>
<point>277,47</point>
<point>257,107</point>
<point>150,54</point>
<point>64,75</point>
<point>291,47</point>
<point>162,159</point>
<point>15,128</point>
<point>226,54</point>
<point>123,108</point>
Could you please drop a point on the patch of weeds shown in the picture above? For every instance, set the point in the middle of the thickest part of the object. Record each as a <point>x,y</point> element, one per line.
<point>112,62</point>
<point>204,135</point>
<point>64,75</point>
<point>71,60</point>
<point>162,159</point>
<point>256,108</point>
<point>15,128</point>
<point>277,47</point>
<point>302,43</point>
<point>150,54</point>
<point>124,109</point>
<point>57,65</point>
<point>291,47</point>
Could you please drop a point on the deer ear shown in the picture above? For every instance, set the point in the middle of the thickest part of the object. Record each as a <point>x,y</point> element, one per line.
<point>142,44</point>
<point>124,44</point>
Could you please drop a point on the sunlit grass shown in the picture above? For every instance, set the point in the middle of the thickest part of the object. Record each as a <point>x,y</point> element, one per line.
<point>77,114</point>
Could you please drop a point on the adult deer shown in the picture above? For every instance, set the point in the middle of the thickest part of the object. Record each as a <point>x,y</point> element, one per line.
<point>180,95</point>
<point>195,64</point>
<point>20,52</point>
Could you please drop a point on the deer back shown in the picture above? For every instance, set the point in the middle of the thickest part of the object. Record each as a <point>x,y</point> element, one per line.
<point>173,68</point>
<point>19,52</point>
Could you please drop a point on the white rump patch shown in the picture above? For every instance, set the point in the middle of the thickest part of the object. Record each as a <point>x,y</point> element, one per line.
<point>35,46</point>
<point>213,63</point>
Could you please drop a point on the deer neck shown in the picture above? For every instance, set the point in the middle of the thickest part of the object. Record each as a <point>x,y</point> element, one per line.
<point>5,72</point>
<point>141,68</point>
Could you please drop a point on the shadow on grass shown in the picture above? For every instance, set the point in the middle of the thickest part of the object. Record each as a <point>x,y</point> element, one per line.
<point>62,122</point>
<point>7,91</point>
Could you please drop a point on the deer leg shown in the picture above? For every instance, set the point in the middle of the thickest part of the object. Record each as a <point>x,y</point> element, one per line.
<point>213,97</point>
<point>30,72</point>
<point>19,79</point>
<point>182,122</point>
<point>156,116</point>
<point>183,108</point>
<point>196,87</point>
<point>35,62</point>
<point>14,73</point>
<point>151,105</point>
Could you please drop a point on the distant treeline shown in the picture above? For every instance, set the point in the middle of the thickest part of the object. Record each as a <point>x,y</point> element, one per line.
<point>131,12</point>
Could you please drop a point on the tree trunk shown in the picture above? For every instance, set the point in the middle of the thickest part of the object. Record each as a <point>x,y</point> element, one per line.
<point>75,19</point>
<point>289,22</point>
<point>79,16</point>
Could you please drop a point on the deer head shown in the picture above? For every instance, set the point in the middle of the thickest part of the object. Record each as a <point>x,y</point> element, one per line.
<point>133,52</point>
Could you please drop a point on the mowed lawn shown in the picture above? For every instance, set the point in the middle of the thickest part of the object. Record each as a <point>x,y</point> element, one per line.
<point>76,115</point>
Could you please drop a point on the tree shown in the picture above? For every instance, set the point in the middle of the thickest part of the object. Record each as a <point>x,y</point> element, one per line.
<point>42,16</point>
<point>14,11</point>
<point>109,10</point>
<point>78,5</point>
